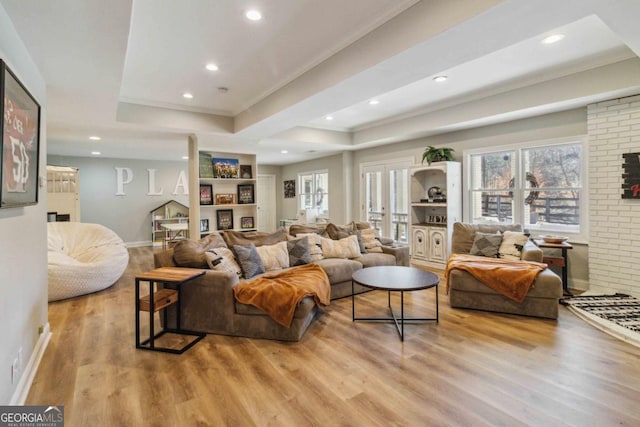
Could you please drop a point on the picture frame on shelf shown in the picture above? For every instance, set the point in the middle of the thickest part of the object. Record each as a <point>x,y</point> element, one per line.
<point>290,188</point>
<point>225,168</point>
<point>245,172</point>
<point>20,153</point>
<point>225,199</point>
<point>246,222</point>
<point>245,194</point>
<point>206,194</point>
<point>204,225</point>
<point>224,219</point>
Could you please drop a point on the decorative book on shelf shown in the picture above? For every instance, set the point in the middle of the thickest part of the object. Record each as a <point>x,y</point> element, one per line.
<point>206,165</point>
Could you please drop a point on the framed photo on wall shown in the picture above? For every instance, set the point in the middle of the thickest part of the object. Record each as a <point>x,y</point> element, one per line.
<point>290,188</point>
<point>246,222</point>
<point>245,194</point>
<point>206,194</point>
<point>224,219</point>
<point>20,154</point>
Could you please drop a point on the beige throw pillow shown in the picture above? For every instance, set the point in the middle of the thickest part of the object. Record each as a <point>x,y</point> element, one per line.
<point>222,259</point>
<point>343,248</point>
<point>274,257</point>
<point>511,246</point>
<point>371,243</point>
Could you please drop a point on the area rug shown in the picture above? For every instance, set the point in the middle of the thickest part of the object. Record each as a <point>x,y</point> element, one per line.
<point>617,315</point>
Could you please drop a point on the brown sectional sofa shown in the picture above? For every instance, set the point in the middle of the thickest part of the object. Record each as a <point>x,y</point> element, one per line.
<point>208,303</point>
<point>465,291</point>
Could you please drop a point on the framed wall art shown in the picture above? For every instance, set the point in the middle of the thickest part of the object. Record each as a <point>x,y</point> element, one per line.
<point>224,219</point>
<point>204,225</point>
<point>245,194</point>
<point>290,188</point>
<point>20,154</point>
<point>206,194</point>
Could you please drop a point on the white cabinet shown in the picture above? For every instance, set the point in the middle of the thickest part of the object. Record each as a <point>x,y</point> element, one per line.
<point>435,205</point>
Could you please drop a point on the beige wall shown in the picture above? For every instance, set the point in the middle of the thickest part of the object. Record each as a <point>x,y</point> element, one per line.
<point>23,264</point>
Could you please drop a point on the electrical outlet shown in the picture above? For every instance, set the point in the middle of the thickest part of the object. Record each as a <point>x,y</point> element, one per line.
<point>15,371</point>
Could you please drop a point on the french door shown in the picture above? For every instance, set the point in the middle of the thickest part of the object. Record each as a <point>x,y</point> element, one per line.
<point>385,204</point>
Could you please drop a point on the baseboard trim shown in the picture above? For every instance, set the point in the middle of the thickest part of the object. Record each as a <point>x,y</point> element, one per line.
<point>24,385</point>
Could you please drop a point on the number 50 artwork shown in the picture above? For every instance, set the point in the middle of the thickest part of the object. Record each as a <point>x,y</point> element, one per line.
<point>20,142</point>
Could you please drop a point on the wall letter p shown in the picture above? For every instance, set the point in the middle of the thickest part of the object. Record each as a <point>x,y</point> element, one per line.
<point>123,176</point>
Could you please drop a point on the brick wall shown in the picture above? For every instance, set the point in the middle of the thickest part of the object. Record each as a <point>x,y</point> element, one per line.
<point>614,223</point>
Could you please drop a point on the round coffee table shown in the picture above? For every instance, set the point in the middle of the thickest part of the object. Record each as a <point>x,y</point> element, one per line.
<point>394,279</point>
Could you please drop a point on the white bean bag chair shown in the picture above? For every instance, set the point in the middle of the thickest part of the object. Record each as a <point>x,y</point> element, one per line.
<point>83,258</point>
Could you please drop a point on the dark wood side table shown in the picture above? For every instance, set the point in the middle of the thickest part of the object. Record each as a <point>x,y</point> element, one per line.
<point>394,279</point>
<point>160,300</point>
<point>562,262</point>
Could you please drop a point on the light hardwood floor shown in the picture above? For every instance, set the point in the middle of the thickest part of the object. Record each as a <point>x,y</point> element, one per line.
<point>471,369</point>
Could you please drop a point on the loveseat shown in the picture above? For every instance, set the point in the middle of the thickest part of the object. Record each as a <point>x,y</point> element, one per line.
<point>465,291</point>
<point>208,303</point>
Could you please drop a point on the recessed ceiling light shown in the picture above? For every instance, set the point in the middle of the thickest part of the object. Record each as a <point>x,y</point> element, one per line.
<point>96,153</point>
<point>211,67</point>
<point>95,138</point>
<point>553,39</point>
<point>185,157</point>
<point>253,15</point>
<point>284,151</point>
<point>374,102</point>
<point>187,95</point>
<point>440,79</point>
<point>329,118</point>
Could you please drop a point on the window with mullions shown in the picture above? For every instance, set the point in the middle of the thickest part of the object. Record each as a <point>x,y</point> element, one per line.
<point>314,191</point>
<point>539,186</point>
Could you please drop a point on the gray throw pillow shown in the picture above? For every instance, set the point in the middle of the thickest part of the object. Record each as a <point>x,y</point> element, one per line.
<point>249,260</point>
<point>485,244</point>
<point>299,253</point>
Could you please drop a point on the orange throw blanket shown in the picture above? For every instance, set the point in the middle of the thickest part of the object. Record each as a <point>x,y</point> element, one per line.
<point>513,279</point>
<point>278,294</point>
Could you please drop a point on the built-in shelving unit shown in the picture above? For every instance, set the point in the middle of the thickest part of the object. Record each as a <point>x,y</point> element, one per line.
<point>227,192</point>
<point>434,212</point>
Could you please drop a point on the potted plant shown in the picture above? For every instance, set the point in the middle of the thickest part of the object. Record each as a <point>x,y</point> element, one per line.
<point>432,154</point>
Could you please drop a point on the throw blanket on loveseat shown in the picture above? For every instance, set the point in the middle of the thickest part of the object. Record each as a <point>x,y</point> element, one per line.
<point>513,279</point>
<point>278,294</point>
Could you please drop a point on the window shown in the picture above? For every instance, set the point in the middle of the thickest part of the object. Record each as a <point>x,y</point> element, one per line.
<point>537,185</point>
<point>314,191</point>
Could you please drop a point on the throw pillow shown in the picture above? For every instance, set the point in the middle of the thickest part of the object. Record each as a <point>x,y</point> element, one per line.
<point>296,229</point>
<point>486,244</point>
<point>315,247</point>
<point>274,257</point>
<point>370,239</point>
<point>343,248</point>
<point>257,238</point>
<point>512,244</point>
<point>337,232</point>
<point>299,253</point>
<point>249,260</point>
<point>222,259</point>
<point>191,253</point>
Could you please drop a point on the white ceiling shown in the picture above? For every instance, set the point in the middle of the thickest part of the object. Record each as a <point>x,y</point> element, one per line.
<point>118,70</point>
